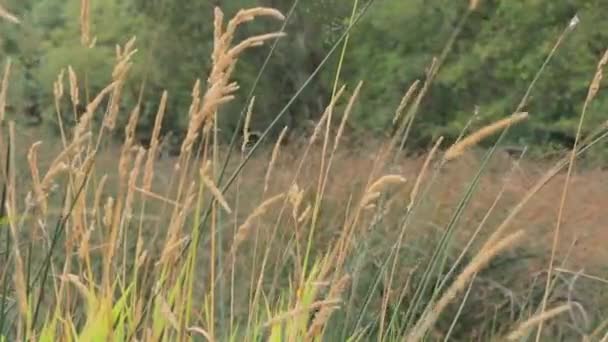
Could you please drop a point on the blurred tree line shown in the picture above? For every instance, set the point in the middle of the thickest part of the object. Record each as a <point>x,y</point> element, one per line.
<point>496,56</point>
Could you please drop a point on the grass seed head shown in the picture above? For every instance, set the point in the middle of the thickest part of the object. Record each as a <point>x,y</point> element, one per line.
<point>4,89</point>
<point>244,229</point>
<point>246,126</point>
<point>274,157</point>
<point>473,139</point>
<point>73,87</point>
<point>85,22</point>
<point>153,151</point>
<point>597,79</point>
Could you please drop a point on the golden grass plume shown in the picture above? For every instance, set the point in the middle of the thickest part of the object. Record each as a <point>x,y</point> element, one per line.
<point>374,190</point>
<point>85,22</point>
<point>325,312</point>
<point>210,184</point>
<point>74,95</point>
<point>246,126</point>
<point>245,228</point>
<point>221,89</point>
<point>473,139</point>
<point>533,321</point>
<point>597,79</point>
<point>347,111</point>
<point>273,158</point>
<point>423,171</point>
<point>154,143</point>
<point>405,100</point>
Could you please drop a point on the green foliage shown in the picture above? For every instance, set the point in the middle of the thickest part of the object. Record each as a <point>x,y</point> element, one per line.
<point>493,60</point>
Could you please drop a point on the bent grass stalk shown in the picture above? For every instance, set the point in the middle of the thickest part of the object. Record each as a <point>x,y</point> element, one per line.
<point>592,92</point>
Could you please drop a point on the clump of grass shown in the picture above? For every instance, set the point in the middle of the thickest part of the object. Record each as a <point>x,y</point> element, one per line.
<point>104,272</point>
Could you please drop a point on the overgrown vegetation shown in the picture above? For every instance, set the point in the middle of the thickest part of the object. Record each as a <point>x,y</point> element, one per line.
<point>233,241</point>
<point>495,55</point>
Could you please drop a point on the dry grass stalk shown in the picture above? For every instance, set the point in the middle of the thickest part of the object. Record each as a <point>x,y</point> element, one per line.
<point>124,161</point>
<point>5,14</point>
<point>4,89</point>
<point>245,228</point>
<point>108,212</point>
<point>126,179</point>
<point>65,156</point>
<point>57,97</point>
<point>273,158</point>
<point>119,76</point>
<point>597,79</point>
<point>287,316</point>
<point>80,208</point>
<point>347,111</point>
<point>246,126</point>
<point>98,195</point>
<point>477,264</point>
<point>170,250</point>
<point>533,321</point>
<point>59,165</point>
<point>174,240</point>
<point>521,204</point>
<point>159,197</point>
<point>374,190</point>
<point>423,171</point>
<point>85,22</point>
<point>18,276</point>
<point>201,332</point>
<point>73,87</point>
<point>130,130</point>
<point>329,109</point>
<point>305,214</point>
<point>217,193</point>
<point>246,15</point>
<point>153,151</point>
<point>78,284</point>
<point>295,195</point>
<point>141,258</point>
<point>58,86</point>
<point>196,99</point>
<point>84,247</point>
<point>11,214</point>
<point>592,92</point>
<point>168,314</point>
<point>401,132</point>
<point>133,177</point>
<point>224,57</point>
<point>85,119</point>
<point>10,174</point>
<point>80,180</point>
<point>371,194</point>
<point>32,159</point>
<point>324,314</point>
<point>131,126</point>
<point>473,139</point>
<point>405,100</point>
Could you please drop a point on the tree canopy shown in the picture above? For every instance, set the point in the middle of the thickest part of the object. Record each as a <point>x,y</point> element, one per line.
<point>493,60</point>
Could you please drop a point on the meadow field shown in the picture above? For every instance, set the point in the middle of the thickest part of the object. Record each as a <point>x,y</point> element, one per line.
<point>325,235</point>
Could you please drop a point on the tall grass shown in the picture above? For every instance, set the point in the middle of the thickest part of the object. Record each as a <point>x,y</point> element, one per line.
<point>265,255</point>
